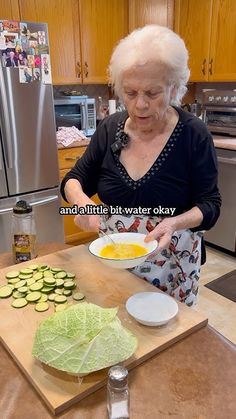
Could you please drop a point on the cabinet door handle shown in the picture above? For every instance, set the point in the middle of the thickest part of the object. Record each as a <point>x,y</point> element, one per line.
<point>72,158</point>
<point>86,69</point>
<point>210,66</point>
<point>204,67</point>
<point>79,69</point>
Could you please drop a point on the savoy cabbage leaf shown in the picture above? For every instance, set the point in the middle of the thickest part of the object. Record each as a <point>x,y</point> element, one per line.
<point>82,339</point>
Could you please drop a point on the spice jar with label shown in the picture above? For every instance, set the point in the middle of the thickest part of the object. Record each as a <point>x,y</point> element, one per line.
<point>23,232</point>
<point>118,393</point>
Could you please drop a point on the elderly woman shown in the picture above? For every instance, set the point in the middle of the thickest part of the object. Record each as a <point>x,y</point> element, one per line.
<point>153,157</point>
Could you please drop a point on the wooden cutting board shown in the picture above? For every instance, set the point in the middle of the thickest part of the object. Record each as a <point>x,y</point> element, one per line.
<point>103,286</point>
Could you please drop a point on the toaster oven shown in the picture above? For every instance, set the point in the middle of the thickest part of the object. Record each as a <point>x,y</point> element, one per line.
<point>78,111</point>
<point>219,111</point>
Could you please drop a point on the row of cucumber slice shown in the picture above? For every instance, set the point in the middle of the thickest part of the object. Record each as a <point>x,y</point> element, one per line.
<point>39,284</point>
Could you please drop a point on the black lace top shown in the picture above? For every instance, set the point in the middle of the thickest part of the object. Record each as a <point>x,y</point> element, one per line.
<point>184,174</point>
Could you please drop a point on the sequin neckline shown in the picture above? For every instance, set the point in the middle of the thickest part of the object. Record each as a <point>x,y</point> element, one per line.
<point>169,146</point>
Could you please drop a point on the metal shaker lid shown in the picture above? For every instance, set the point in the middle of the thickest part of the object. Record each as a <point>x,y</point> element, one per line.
<point>22,207</point>
<point>118,376</point>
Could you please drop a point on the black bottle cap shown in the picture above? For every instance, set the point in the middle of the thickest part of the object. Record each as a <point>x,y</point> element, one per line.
<point>22,207</point>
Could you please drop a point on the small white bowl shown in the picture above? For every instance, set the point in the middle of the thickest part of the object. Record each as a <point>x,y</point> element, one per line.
<point>152,308</point>
<point>135,238</point>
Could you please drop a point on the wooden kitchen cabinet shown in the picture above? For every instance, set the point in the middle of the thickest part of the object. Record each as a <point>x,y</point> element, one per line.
<point>103,23</point>
<point>9,10</point>
<point>209,31</point>
<point>73,235</point>
<point>144,12</point>
<point>62,17</point>
<point>222,58</point>
<point>82,34</point>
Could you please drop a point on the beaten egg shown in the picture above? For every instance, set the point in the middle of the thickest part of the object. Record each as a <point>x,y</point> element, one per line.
<point>122,251</point>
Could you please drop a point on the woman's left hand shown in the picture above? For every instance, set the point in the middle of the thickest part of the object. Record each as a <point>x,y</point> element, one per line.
<point>162,233</point>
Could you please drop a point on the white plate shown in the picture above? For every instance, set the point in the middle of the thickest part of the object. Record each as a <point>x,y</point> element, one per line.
<point>152,308</point>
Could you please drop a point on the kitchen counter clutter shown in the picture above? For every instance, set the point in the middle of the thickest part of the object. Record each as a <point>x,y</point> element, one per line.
<point>228,143</point>
<point>82,143</point>
<point>186,380</point>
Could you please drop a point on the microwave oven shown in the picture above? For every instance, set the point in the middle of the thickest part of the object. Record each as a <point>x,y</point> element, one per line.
<point>78,111</point>
<point>219,111</point>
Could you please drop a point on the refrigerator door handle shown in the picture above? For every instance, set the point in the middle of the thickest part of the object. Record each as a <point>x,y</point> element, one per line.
<point>44,201</point>
<point>6,210</point>
<point>6,127</point>
<point>33,204</point>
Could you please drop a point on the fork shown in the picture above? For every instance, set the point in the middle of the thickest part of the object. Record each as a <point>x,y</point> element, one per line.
<point>106,235</point>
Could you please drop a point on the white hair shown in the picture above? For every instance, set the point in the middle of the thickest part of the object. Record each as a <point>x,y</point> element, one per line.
<point>152,43</point>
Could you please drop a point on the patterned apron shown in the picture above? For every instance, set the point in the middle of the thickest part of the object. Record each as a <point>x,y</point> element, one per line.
<point>175,270</point>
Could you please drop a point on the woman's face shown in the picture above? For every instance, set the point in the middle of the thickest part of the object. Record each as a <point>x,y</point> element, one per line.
<point>146,95</point>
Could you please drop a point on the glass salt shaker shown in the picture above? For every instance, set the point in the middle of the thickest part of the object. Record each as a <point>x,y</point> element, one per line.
<point>118,393</point>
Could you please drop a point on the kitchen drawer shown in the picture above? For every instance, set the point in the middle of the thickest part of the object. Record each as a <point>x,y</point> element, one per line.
<point>68,157</point>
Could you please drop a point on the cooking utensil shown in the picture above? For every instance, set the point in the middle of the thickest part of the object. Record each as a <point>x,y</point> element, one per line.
<point>107,235</point>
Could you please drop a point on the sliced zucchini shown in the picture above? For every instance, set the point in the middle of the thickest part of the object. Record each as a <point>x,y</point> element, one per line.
<point>12,274</point>
<point>13,280</point>
<point>69,285</point>
<point>41,306</point>
<point>20,284</point>
<point>59,299</point>
<point>48,274</point>
<point>43,298</point>
<point>6,291</point>
<point>22,276</point>
<point>19,303</point>
<point>56,270</point>
<point>59,283</point>
<point>43,268</point>
<point>36,287</point>
<point>78,296</point>
<point>51,297</point>
<point>26,271</point>
<point>33,296</point>
<point>67,293</point>
<point>33,267</point>
<point>49,281</point>
<point>18,294</point>
<point>30,281</point>
<point>61,275</point>
<point>23,290</point>
<point>58,291</point>
<point>38,275</point>
<point>70,275</point>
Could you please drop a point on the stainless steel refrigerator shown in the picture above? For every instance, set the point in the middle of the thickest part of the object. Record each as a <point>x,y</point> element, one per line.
<point>28,149</point>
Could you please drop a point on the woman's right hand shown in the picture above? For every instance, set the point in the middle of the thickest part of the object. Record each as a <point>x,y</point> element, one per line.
<point>88,222</point>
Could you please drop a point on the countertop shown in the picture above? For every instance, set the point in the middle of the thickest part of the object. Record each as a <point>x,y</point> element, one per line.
<point>219,142</point>
<point>195,378</point>
<point>228,143</point>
